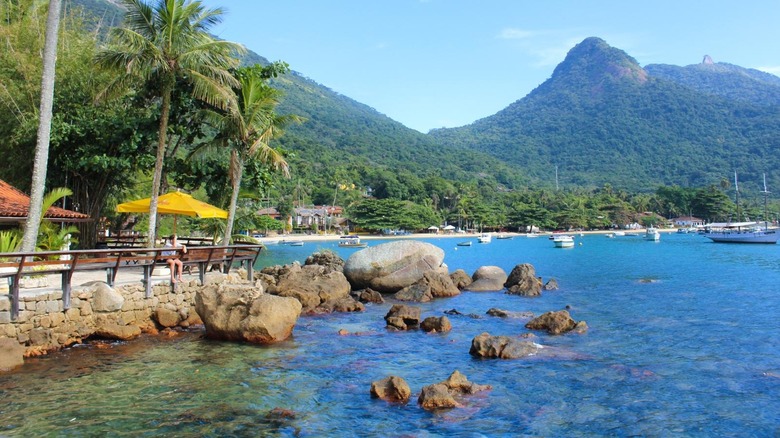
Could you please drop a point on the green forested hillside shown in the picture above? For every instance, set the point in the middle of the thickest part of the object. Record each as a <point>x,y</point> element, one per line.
<point>601,118</point>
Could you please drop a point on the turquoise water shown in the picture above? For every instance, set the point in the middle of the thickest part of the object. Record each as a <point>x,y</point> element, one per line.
<point>683,341</point>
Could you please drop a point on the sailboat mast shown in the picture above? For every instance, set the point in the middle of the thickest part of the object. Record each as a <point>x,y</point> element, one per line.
<point>736,197</point>
<point>766,193</point>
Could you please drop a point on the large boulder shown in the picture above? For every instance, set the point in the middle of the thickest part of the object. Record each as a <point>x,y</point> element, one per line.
<point>460,279</point>
<point>393,389</point>
<point>523,281</point>
<point>105,298</point>
<point>487,278</point>
<point>403,317</point>
<point>11,354</point>
<point>555,323</point>
<point>436,324</point>
<point>329,259</point>
<point>318,288</point>
<point>502,347</point>
<point>117,332</point>
<point>244,313</point>
<point>392,266</point>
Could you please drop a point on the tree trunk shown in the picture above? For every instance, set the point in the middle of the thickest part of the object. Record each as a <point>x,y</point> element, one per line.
<point>237,171</point>
<point>158,164</point>
<point>38,185</point>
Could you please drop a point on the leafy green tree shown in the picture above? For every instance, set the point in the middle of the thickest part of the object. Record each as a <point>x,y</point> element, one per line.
<point>165,42</point>
<point>247,127</point>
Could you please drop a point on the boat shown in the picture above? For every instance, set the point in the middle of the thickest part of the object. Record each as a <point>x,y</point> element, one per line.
<point>532,235</point>
<point>292,242</point>
<point>652,234</point>
<point>563,241</point>
<point>351,241</point>
<point>740,232</point>
<point>484,238</point>
<point>504,237</point>
<point>466,243</point>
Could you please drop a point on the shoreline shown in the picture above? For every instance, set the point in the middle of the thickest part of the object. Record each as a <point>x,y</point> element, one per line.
<point>335,237</point>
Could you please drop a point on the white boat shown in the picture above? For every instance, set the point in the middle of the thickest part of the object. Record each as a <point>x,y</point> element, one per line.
<point>465,243</point>
<point>351,241</point>
<point>484,238</point>
<point>740,232</point>
<point>504,237</point>
<point>652,234</point>
<point>532,235</point>
<point>294,242</point>
<point>619,233</point>
<point>563,241</point>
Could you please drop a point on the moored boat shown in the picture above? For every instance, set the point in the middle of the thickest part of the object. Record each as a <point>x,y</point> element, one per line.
<point>465,243</point>
<point>563,241</point>
<point>351,241</point>
<point>484,238</point>
<point>652,235</point>
<point>740,232</point>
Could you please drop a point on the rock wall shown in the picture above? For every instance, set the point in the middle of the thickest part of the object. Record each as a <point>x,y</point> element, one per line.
<point>44,326</point>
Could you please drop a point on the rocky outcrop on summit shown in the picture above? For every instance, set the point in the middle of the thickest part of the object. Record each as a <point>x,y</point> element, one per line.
<point>392,266</point>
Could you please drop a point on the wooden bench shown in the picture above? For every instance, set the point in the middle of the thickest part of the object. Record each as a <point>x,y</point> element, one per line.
<point>66,263</point>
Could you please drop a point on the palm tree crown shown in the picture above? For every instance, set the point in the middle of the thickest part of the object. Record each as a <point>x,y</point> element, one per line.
<point>161,43</point>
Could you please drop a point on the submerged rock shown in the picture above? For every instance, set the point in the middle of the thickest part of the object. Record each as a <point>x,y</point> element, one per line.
<point>392,388</point>
<point>446,394</point>
<point>555,323</point>
<point>403,317</point>
<point>502,347</point>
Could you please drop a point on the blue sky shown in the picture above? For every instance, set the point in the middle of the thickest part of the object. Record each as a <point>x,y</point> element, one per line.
<point>446,63</point>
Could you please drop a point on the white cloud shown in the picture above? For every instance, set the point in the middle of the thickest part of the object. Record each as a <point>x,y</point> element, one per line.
<point>515,34</point>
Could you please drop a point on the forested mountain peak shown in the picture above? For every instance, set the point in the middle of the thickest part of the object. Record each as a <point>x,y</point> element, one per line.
<point>593,62</point>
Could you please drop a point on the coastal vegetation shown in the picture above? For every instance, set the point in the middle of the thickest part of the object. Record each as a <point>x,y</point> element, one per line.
<point>587,149</point>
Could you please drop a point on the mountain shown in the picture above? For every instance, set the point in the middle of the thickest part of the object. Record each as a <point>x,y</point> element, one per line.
<point>601,118</point>
<point>723,79</point>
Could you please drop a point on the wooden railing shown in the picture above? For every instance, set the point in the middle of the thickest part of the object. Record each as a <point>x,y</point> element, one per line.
<point>66,263</point>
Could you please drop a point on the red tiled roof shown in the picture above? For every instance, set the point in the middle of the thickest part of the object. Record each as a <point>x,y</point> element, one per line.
<point>15,204</point>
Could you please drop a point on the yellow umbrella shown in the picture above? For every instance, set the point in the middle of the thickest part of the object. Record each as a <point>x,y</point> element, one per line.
<point>175,203</point>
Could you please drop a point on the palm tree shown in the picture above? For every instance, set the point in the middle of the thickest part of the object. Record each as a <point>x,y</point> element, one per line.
<point>44,127</point>
<point>248,126</point>
<point>166,42</point>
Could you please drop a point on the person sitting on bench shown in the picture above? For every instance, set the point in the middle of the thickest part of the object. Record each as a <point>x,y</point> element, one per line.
<point>174,262</point>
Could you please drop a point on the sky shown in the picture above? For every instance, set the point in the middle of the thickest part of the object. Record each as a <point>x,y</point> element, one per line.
<point>446,63</point>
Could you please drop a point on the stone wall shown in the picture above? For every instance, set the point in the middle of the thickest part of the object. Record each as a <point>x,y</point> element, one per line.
<point>98,310</point>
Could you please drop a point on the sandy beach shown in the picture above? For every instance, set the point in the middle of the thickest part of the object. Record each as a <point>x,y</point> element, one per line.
<point>332,237</point>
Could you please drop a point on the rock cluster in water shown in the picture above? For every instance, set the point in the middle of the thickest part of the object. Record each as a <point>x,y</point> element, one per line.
<point>445,394</point>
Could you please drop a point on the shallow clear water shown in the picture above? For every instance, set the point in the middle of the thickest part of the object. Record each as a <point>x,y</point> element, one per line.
<point>683,340</point>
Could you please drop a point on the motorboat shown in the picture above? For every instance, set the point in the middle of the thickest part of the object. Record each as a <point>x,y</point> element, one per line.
<point>740,232</point>
<point>652,234</point>
<point>294,243</point>
<point>484,238</point>
<point>465,243</point>
<point>563,241</point>
<point>351,241</point>
<point>504,237</point>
